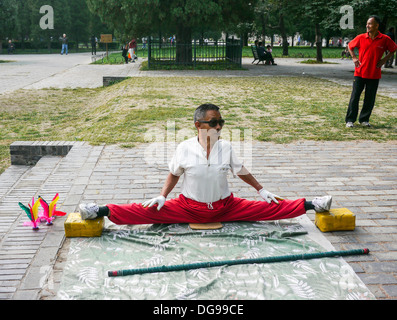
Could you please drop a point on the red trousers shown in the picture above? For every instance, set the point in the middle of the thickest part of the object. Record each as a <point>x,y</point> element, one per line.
<point>184,210</point>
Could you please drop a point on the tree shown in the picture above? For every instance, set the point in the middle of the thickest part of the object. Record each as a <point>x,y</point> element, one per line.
<point>62,20</point>
<point>286,12</point>
<point>316,11</point>
<point>137,18</point>
<point>23,21</point>
<point>8,23</point>
<point>385,9</point>
<point>79,15</point>
<point>20,20</point>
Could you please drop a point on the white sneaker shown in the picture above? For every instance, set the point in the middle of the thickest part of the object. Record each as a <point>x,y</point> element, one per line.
<point>349,125</point>
<point>322,204</point>
<point>88,211</point>
<point>365,124</point>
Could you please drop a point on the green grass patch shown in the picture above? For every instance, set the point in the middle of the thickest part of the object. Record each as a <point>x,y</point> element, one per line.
<point>311,61</point>
<point>276,109</point>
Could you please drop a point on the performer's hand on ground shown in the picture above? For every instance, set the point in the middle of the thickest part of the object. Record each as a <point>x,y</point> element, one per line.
<point>160,200</point>
<point>268,196</point>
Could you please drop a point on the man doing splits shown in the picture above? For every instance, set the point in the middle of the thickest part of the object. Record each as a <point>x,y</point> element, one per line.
<point>204,161</point>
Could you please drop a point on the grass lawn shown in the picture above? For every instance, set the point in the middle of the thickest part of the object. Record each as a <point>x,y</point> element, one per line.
<point>277,109</point>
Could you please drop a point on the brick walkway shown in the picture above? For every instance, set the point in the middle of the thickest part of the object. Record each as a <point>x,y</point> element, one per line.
<point>360,175</point>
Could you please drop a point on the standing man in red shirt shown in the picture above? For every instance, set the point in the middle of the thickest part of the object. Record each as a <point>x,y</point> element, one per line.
<point>371,46</point>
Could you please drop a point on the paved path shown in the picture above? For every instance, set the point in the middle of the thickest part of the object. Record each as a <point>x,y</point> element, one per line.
<point>360,175</point>
<point>74,71</point>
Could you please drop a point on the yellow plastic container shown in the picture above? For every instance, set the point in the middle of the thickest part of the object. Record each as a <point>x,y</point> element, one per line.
<point>76,227</point>
<point>341,219</point>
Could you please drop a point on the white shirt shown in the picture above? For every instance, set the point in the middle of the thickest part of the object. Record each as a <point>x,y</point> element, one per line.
<point>204,180</point>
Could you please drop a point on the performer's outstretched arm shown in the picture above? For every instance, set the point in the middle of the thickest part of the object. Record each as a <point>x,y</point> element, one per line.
<point>250,179</point>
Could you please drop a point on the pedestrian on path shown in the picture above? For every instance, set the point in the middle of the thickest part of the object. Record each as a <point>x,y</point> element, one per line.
<point>204,161</point>
<point>93,44</point>
<point>132,50</point>
<point>124,53</point>
<point>11,47</point>
<point>65,43</point>
<point>371,46</point>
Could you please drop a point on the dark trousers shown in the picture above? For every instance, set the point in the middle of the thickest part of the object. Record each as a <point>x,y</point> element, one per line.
<point>371,87</point>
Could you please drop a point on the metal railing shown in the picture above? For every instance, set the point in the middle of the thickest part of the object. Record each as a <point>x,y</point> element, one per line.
<point>197,54</point>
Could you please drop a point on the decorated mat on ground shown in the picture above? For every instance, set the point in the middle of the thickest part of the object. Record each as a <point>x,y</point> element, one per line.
<point>129,247</point>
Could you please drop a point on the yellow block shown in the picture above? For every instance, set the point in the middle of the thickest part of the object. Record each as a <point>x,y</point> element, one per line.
<point>341,219</point>
<point>76,227</point>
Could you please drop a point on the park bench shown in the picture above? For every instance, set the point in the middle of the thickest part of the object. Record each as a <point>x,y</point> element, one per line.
<point>256,55</point>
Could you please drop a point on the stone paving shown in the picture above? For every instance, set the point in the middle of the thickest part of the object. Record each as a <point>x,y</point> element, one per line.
<point>361,176</point>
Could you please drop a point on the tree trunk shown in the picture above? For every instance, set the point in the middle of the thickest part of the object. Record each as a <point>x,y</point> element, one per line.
<point>184,45</point>
<point>383,24</point>
<point>263,31</point>
<point>319,43</point>
<point>245,39</point>
<point>283,35</point>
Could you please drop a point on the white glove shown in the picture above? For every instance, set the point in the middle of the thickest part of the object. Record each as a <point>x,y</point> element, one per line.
<point>160,200</point>
<point>269,197</point>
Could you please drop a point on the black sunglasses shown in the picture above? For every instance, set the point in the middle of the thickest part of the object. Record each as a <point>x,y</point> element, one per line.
<point>213,122</point>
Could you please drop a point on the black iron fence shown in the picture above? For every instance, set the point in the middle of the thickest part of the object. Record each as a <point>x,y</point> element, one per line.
<point>197,54</point>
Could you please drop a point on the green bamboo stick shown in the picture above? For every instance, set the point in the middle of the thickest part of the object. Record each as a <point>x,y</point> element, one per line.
<point>211,264</point>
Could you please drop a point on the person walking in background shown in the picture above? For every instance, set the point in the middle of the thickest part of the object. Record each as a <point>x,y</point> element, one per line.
<point>132,50</point>
<point>11,47</point>
<point>371,47</point>
<point>65,43</point>
<point>93,45</point>
<point>124,53</point>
